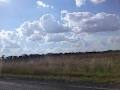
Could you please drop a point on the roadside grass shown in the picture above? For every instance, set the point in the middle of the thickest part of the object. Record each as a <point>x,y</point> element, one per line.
<point>96,68</point>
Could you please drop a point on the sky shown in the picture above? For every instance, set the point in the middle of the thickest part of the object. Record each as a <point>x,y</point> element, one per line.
<point>58,26</point>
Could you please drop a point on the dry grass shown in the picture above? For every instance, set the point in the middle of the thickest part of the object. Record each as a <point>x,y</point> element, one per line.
<point>96,67</point>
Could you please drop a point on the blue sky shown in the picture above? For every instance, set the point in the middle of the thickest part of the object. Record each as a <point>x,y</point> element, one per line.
<point>15,12</point>
<point>58,26</point>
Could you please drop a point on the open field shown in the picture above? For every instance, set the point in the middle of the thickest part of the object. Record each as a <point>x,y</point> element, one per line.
<point>97,67</point>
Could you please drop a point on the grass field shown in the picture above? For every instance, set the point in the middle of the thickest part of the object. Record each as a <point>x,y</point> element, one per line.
<point>98,67</point>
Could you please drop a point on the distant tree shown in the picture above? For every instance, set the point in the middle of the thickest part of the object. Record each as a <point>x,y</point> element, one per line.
<point>3,57</point>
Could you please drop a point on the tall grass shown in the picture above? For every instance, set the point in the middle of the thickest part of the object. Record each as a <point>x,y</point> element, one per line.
<point>95,67</point>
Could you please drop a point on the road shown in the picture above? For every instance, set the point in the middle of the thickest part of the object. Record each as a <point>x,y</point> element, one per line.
<point>15,84</point>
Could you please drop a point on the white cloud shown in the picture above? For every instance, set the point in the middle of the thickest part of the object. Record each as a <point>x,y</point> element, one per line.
<point>57,37</point>
<point>41,4</point>
<point>51,25</point>
<point>90,23</point>
<point>114,39</point>
<point>29,28</point>
<point>3,2</point>
<point>36,37</point>
<point>39,28</point>
<point>79,3</point>
<point>77,31</point>
<point>97,1</point>
<point>8,41</point>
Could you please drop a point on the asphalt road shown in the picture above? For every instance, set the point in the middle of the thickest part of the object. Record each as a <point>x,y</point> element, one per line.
<point>15,84</point>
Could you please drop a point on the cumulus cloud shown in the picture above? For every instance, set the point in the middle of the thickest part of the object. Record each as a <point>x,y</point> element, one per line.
<point>51,25</point>
<point>76,31</point>
<point>56,37</point>
<point>8,41</point>
<point>32,34</point>
<point>39,28</point>
<point>29,28</point>
<point>91,23</point>
<point>41,4</point>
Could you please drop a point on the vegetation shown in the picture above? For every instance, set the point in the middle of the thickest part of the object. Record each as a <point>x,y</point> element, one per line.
<point>92,66</point>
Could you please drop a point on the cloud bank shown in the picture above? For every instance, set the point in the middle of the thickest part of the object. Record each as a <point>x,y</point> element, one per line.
<point>90,23</point>
<point>76,31</point>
